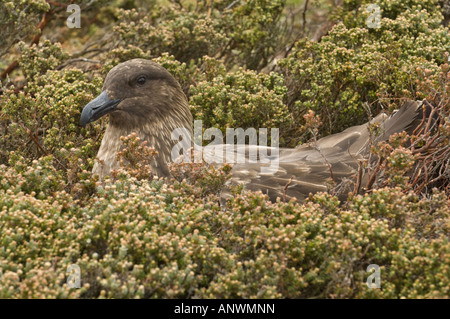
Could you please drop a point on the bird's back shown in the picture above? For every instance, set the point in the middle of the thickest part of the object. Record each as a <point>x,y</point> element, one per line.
<point>332,162</point>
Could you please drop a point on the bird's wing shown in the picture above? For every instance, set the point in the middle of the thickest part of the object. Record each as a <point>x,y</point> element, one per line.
<point>310,168</point>
<point>298,173</point>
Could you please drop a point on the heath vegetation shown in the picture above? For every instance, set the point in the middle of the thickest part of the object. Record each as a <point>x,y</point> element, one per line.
<point>253,63</point>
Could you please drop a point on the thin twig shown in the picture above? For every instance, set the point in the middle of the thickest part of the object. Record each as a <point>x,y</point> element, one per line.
<point>305,8</point>
<point>71,61</point>
<point>285,189</point>
<point>45,20</point>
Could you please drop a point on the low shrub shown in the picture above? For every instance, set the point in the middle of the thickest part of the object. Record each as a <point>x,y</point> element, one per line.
<point>136,236</point>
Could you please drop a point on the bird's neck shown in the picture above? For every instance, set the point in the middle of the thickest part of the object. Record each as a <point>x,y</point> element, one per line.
<point>157,133</point>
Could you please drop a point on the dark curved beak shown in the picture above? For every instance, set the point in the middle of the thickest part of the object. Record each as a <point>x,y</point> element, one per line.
<point>98,107</point>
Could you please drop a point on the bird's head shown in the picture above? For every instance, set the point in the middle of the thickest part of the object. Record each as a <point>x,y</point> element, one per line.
<point>138,92</point>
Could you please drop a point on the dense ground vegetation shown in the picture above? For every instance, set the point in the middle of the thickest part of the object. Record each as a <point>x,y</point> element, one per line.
<point>255,63</point>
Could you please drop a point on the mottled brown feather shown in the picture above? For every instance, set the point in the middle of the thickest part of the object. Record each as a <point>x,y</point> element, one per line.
<point>155,111</point>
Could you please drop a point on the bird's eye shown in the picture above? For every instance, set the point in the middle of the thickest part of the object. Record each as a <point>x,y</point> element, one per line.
<point>141,80</point>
